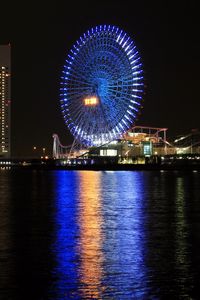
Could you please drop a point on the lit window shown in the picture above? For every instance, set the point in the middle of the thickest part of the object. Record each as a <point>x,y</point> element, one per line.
<point>92,101</point>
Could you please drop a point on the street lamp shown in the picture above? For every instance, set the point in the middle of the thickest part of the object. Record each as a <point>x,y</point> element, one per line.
<point>34,151</point>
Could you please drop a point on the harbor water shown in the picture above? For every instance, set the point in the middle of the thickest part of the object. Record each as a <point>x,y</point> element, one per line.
<point>110,235</point>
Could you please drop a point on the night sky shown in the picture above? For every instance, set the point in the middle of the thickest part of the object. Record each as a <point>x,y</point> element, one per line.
<point>166,34</point>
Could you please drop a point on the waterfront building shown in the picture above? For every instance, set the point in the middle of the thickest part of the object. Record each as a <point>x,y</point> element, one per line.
<point>5,100</point>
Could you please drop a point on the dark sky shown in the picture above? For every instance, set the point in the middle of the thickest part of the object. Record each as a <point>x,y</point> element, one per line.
<point>165,32</point>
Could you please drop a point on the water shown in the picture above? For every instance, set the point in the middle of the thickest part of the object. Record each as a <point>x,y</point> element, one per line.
<point>99,235</point>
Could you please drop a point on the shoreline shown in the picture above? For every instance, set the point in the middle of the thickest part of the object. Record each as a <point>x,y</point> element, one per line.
<point>109,167</point>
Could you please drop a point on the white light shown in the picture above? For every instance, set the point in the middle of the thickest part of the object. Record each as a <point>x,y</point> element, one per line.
<point>124,122</point>
<point>127,118</point>
<point>135,90</point>
<point>137,66</point>
<point>119,36</point>
<point>135,96</point>
<point>130,52</point>
<point>130,113</point>
<point>122,39</point>
<point>125,42</point>
<point>117,129</point>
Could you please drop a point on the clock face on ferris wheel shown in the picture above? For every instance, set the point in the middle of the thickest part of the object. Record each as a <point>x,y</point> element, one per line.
<point>102,85</point>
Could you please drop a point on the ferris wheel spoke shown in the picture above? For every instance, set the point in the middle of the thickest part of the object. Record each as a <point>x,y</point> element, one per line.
<point>73,94</point>
<point>76,109</point>
<point>75,89</point>
<point>79,75</point>
<point>125,94</point>
<point>78,80</point>
<point>78,113</point>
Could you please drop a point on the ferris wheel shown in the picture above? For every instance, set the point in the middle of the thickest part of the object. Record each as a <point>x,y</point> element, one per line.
<point>101,85</point>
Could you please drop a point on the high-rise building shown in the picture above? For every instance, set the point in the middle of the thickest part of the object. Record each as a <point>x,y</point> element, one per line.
<point>5,100</point>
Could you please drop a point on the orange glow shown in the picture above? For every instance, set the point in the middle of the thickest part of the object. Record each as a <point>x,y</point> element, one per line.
<point>92,101</point>
<point>90,219</point>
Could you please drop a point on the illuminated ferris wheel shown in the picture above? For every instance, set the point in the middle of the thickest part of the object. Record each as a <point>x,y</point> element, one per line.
<point>102,85</point>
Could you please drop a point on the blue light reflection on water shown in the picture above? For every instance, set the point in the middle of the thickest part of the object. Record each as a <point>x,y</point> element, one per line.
<point>100,236</point>
<point>124,228</point>
<point>66,230</point>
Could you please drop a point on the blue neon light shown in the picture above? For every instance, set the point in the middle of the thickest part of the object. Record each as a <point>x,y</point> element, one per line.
<point>103,63</point>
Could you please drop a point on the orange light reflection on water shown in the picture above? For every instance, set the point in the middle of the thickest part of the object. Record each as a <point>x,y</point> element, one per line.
<point>90,220</point>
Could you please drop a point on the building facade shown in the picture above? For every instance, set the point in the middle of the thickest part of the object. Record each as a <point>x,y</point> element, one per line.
<point>5,100</point>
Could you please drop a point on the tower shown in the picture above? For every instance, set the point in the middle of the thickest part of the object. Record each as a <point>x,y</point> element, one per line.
<point>5,101</point>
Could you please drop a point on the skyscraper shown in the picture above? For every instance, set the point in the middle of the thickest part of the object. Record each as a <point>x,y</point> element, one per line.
<point>5,101</point>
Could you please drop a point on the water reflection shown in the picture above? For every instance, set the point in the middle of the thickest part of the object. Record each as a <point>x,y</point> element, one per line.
<point>124,228</point>
<point>6,244</point>
<point>181,237</point>
<point>66,231</point>
<point>122,235</point>
<point>91,237</point>
<point>100,236</point>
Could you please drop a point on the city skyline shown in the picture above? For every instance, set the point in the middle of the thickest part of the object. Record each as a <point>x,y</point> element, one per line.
<point>166,35</point>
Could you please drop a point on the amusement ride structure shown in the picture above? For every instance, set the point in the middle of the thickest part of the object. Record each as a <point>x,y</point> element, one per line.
<point>101,93</point>
<point>101,88</point>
